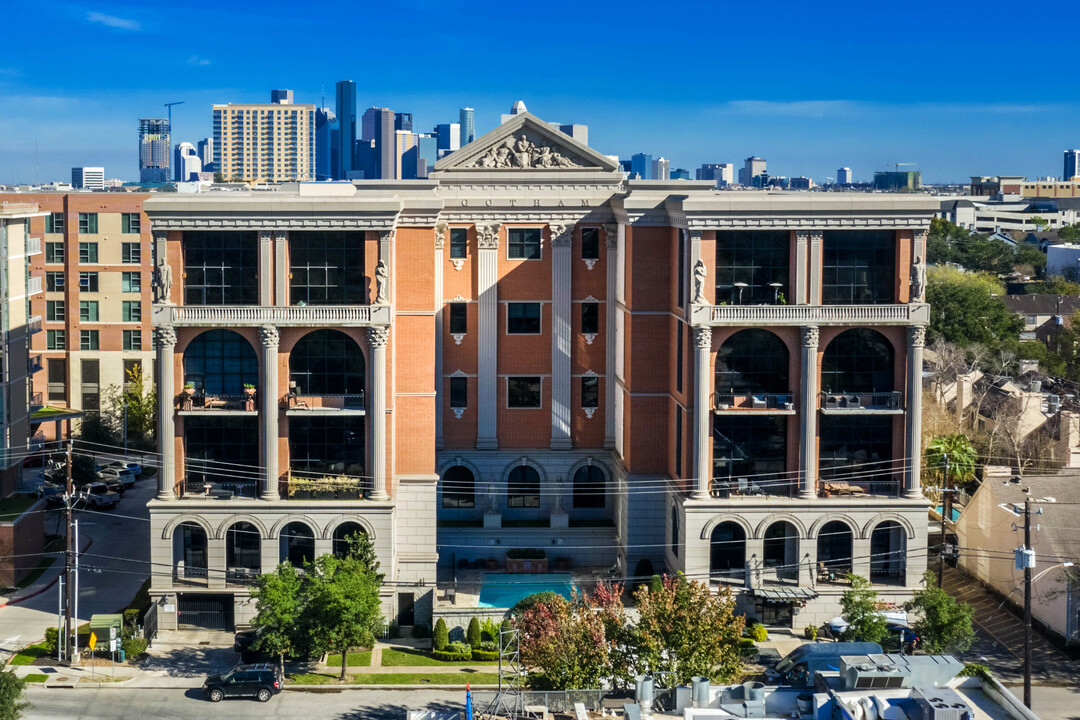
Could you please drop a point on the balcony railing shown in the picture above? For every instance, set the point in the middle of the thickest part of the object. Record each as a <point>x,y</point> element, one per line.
<point>198,488</point>
<point>35,365</point>
<point>241,576</point>
<point>336,487</point>
<point>734,402</point>
<point>285,316</point>
<point>724,488</point>
<point>33,324</point>
<point>193,403</point>
<point>351,403</point>
<point>858,402</point>
<point>904,314</point>
<point>185,575</point>
<point>33,285</point>
<point>33,246</point>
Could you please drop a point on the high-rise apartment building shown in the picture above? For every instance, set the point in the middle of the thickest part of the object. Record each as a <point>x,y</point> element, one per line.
<point>448,136</point>
<point>534,352</point>
<point>205,151</point>
<point>898,180</point>
<point>661,169</point>
<point>378,127</point>
<point>427,153</point>
<point>345,92</point>
<point>326,134</point>
<point>88,178</point>
<point>753,173</point>
<point>154,148</point>
<point>1072,165</point>
<point>844,176</point>
<point>467,120</point>
<point>723,174</point>
<point>271,142</point>
<point>641,166</point>
<point>405,156</point>
<point>679,174</point>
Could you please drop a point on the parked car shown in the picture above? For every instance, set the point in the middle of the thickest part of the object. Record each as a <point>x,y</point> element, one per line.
<point>898,617</point>
<point>120,468</point>
<point>98,496</point>
<point>261,682</point>
<point>126,479</point>
<point>112,482</point>
<point>53,493</point>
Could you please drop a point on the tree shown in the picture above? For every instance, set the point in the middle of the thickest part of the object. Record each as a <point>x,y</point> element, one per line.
<point>943,623</point>
<point>1070,233</point>
<point>440,638</point>
<point>562,643</point>
<point>107,426</point>
<point>961,455</point>
<point>860,610</point>
<point>966,309</point>
<point>11,690</point>
<point>472,635</point>
<point>278,601</point>
<point>342,609</point>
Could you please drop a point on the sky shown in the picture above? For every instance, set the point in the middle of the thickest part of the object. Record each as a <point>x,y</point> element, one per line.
<point>958,88</point>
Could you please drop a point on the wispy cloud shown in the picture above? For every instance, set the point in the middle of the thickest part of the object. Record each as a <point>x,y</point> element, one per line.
<point>113,21</point>
<point>798,108</point>
<point>198,61</point>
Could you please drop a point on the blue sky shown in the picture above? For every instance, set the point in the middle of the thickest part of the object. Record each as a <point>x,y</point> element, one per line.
<point>959,88</point>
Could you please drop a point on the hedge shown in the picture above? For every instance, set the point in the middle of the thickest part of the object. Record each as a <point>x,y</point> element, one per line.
<point>448,656</point>
<point>488,655</point>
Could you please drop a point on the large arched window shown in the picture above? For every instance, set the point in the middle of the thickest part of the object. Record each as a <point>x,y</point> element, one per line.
<point>523,488</point>
<point>727,552</point>
<point>220,362</point>
<point>859,360</point>
<point>326,362</point>
<point>297,544</point>
<point>834,551</point>
<point>781,546</point>
<point>243,553</point>
<point>342,535</point>
<point>590,487</point>
<point>888,554</point>
<point>189,552</point>
<point>752,361</point>
<point>459,488</point>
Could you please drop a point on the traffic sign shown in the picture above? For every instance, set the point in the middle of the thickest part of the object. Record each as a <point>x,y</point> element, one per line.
<point>93,640</point>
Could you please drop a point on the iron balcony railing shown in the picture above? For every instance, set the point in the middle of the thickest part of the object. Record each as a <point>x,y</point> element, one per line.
<point>322,487</point>
<point>204,403</point>
<point>862,401</point>
<point>753,401</point>
<point>351,401</point>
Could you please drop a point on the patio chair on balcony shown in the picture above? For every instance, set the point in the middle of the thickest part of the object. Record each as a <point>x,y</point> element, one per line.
<point>758,402</point>
<point>853,401</point>
<point>744,486</point>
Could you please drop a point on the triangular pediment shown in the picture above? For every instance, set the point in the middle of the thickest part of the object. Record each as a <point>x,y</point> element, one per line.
<point>525,142</point>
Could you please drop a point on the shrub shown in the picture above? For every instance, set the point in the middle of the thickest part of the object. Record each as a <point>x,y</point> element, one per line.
<point>473,633</point>
<point>131,618</point>
<point>505,634</point>
<point>458,647</point>
<point>489,630</point>
<point>133,647</point>
<point>447,656</point>
<point>52,639</point>
<point>757,633</point>
<point>975,670</point>
<point>488,655</point>
<point>488,646</point>
<point>441,637</point>
<point>393,631</point>
<point>530,601</point>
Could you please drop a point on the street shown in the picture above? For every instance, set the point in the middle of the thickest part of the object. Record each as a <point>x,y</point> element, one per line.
<point>164,704</point>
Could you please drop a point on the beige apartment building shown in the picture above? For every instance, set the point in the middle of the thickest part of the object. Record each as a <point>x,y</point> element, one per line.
<point>271,142</point>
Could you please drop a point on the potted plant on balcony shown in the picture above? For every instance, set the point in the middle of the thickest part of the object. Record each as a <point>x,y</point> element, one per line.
<point>185,396</point>
<point>249,397</point>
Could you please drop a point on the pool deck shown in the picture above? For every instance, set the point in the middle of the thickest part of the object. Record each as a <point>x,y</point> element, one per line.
<point>469,583</point>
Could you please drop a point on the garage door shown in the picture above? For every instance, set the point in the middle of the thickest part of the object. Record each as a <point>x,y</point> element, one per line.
<point>205,612</point>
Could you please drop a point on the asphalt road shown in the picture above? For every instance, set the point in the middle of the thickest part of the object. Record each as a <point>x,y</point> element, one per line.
<point>120,704</point>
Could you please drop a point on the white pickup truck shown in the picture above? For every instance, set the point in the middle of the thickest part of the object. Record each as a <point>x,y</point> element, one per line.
<point>98,496</point>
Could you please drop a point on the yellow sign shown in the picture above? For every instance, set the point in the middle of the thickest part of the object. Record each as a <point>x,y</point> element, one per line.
<point>93,640</point>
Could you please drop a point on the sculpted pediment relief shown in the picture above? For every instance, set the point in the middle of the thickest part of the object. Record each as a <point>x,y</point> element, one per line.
<point>524,151</point>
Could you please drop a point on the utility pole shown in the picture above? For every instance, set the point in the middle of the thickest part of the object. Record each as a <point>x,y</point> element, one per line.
<point>69,561</point>
<point>1027,603</point>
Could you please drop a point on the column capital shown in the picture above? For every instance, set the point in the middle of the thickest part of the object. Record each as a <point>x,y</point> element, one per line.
<point>280,235</point>
<point>611,234</point>
<point>159,235</point>
<point>810,335</point>
<point>695,235</point>
<point>269,336</point>
<point>916,335</point>
<point>387,235</point>
<point>165,335</point>
<point>703,337</point>
<point>440,235</point>
<point>377,336</point>
<point>266,235</point>
<point>562,236</point>
<point>487,236</point>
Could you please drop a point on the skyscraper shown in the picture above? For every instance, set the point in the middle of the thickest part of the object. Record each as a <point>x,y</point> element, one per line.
<point>325,128</point>
<point>843,176</point>
<point>468,127</point>
<point>403,121</point>
<point>378,126</point>
<point>641,166</point>
<point>270,142</point>
<point>723,174</point>
<point>281,97</point>
<point>181,168</point>
<point>427,152</point>
<point>448,136</point>
<point>1072,164</point>
<point>154,147</point>
<point>88,178</point>
<point>661,168</point>
<point>205,149</point>
<point>346,119</point>
<point>752,171</point>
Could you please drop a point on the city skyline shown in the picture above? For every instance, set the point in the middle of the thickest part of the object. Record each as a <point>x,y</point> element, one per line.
<point>838,106</point>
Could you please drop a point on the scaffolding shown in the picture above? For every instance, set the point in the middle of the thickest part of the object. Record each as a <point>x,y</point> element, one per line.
<point>509,701</point>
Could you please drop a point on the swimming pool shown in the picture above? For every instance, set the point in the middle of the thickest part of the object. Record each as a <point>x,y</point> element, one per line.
<point>503,590</point>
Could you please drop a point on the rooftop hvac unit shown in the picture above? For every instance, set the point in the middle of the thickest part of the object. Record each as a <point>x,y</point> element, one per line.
<point>941,704</point>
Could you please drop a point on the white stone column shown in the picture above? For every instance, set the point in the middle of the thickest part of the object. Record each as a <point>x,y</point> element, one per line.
<point>440,239</point>
<point>798,283</point>
<point>266,266</point>
<point>268,401</point>
<point>561,335</point>
<point>488,337</point>
<point>702,411</point>
<point>611,233</point>
<point>808,404</point>
<point>377,342</point>
<point>281,268</point>
<point>165,339</point>
<point>814,273</point>
<point>916,337</point>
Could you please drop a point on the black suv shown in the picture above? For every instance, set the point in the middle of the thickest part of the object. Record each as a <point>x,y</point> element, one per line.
<point>258,681</point>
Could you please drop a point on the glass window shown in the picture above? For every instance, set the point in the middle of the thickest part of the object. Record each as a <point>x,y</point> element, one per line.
<point>590,318</point>
<point>220,362</point>
<point>459,318</point>
<point>680,250</point>
<point>130,224</point>
<point>590,392</point>
<point>131,282</point>
<point>858,267</point>
<point>459,243</point>
<point>88,223</point>
<point>54,252</point>
<point>130,253</point>
<point>88,339</point>
<point>752,266</point>
<point>590,243</point>
<point>523,243</point>
<point>56,369</point>
<point>132,311</point>
<point>861,445</point>
<point>589,487</point>
<point>523,488</point>
<point>56,339</point>
<point>859,360</point>
<point>326,362</point>
<point>675,531</point>
<point>752,361</point>
<point>221,449</point>
<point>221,268</point>
<point>523,392</point>
<point>54,223</point>
<point>327,445</point>
<point>459,392</point>
<point>678,440</point>
<point>750,454</point>
<point>54,310</point>
<point>459,488</point>
<point>88,253</point>
<point>327,268</point>
<point>54,281</point>
<point>88,310</point>
<point>523,318</point>
<point>680,361</point>
<point>88,282</point>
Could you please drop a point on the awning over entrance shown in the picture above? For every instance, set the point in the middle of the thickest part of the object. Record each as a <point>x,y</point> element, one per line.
<point>784,594</point>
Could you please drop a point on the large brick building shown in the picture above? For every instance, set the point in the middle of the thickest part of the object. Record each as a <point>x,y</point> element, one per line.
<point>526,350</point>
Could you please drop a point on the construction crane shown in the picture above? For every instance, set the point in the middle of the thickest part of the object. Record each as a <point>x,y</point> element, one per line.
<point>894,166</point>
<point>169,107</point>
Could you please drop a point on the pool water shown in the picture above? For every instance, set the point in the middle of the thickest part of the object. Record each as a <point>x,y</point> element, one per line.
<point>503,590</point>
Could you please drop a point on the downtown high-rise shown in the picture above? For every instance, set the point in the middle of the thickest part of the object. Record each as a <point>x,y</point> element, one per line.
<point>154,147</point>
<point>346,130</point>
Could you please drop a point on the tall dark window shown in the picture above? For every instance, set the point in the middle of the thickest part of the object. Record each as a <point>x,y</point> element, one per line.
<point>55,310</point>
<point>861,444</point>
<point>56,369</point>
<point>297,544</point>
<point>590,487</point>
<point>590,318</point>
<point>242,548</point>
<point>523,392</point>
<point>130,253</point>
<point>859,360</point>
<point>674,531</point>
<point>327,445</point>
<point>590,243</point>
<point>523,488</point>
<point>54,281</point>
<point>327,362</point>
<point>88,252</point>
<point>523,318</point>
<point>459,392</point>
<point>220,362</point>
<point>459,243</point>
<point>327,268</point>
<point>459,488</point>
<point>130,224</point>
<point>459,318</point>
<point>679,360</point>
<point>88,223</point>
<point>752,361</point>
<point>523,243</point>
<point>678,441</point>
<point>750,453</point>
<point>752,266</point>
<point>54,252</point>
<point>858,267</point>
<point>680,263</point>
<point>590,392</point>
<point>221,268</point>
<point>221,449</point>
<point>54,223</point>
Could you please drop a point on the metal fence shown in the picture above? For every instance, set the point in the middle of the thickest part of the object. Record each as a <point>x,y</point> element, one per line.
<point>150,625</point>
<point>560,701</point>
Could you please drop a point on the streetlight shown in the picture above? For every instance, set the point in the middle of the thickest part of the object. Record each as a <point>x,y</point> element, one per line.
<point>125,431</point>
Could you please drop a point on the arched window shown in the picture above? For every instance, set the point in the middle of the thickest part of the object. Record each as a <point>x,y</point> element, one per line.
<point>752,361</point>
<point>189,552</point>
<point>781,550</point>
<point>674,531</point>
<point>523,488</point>
<point>727,552</point>
<point>297,544</point>
<point>590,487</point>
<point>834,551</point>
<point>859,360</point>
<point>220,362</point>
<point>243,553</point>
<point>342,533</point>
<point>888,554</point>
<point>326,362</point>
<point>459,488</point>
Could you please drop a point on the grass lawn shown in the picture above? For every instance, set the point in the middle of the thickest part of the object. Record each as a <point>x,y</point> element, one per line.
<point>36,678</point>
<point>42,566</point>
<point>29,654</point>
<point>14,506</point>
<point>354,659</point>
<point>311,679</point>
<point>457,678</point>
<point>407,657</point>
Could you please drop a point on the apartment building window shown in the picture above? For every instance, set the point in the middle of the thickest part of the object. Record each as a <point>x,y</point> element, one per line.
<point>131,282</point>
<point>858,267</point>
<point>459,392</point>
<point>54,223</point>
<point>130,253</point>
<point>56,369</point>
<point>88,223</point>
<point>88,282</point>
<point>132,371</point>
<point>859,360</point>
<point>459,488</point>
<point>132,339</point>
<point>523,318</point>
<point>221,268</point>
<point>678,440</point>
<point>130,224</point>
<point>209,440</point>
<point>523,392</point>
<point>751,451</point>
<point>680,291</point>
<point>91,388</point>
<point>327,268</point>
<point>326,362</point>
<point>55,311</point>
<point>860,444</point>
<point>590,243</point>
<point>590,392</point>
<point>675,531</point>
<point>752,266</point>
<point>54,252</point>
<point>55,339</point>
<point>88,253</point>
<point>752,361</point>
<point>88,339</point>
<point>323,445</point>
<point>590,487</point>
<point>54,281</point>
<point>679,360</point>
<point>523,243</point>
<point>590,318</point>
<point>459,243</point>
<point>221,362</point>
<point>132,311</point>
<point>88,310</point>
<point>459,318</point>
<point>523,488</point>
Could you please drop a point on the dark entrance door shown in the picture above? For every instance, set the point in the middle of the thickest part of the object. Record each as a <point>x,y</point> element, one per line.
<point>406,616</point>
<point>205,612</point>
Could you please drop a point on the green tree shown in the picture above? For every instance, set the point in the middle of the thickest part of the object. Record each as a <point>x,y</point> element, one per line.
<point>342,609</point>
<point>966,309</point>
<point>1070,233</point>
<point>860,610</point>
<point>562,643</point>
<point>11,690</point>
<point>943,622</point>
<point>279,601</point>
<point>440,638</point>
<point>107,426</point>
<point>472,635</point>
<point>961,455</point>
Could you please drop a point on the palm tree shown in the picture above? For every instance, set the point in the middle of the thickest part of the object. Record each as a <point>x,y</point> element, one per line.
<point>954,451</point>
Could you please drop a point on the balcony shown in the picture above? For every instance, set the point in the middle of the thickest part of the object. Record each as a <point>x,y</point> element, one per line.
<point>336,487</point>
<point>192,403</point>
<point>755,487</point>
<point>198,488</point>
<point>185,575</point>
<point>33,324</point>
<point>877,403</point>
<point>35,365</point>
<point>33,285</point>
<point>295,404</point>
<point>33,246</point>
<point>232,316</point>
<point>860,489</point>
<point>765,403</point>
<point>799,315</point>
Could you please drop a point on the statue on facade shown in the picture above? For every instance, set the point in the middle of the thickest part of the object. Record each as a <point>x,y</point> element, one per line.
<point>699,284</point>
<point>918,279</point>
<point>521,152</point>
<point>382,281</point>
<point>162,282</point>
